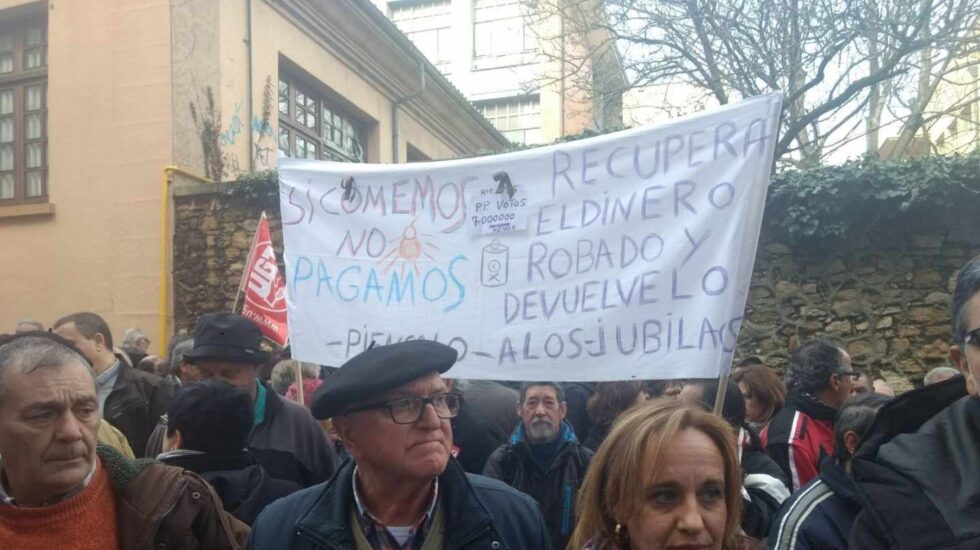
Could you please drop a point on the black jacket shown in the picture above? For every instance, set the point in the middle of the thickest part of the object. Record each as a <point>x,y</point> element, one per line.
<point>289,443</point>
<point>136,402</point>
<point>243,485</point>
<point>577,395</point>
<point>918,472</point>
<point>820,516</point>
<point>554,489</point>
<point>484,422</point>
<point>481,513</point>
<point>597,434</point>
<point>766,487</point>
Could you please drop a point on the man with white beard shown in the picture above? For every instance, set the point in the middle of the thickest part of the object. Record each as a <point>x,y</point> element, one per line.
<point>543,458</point>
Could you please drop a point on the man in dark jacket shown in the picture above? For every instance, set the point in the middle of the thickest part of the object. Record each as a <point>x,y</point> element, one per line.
<point>543,458</point>
<point>60,489</point>
<point>285,439</point>
<point>485,423</point>
<point>207,432</point>
<point>820,515</point>
<point>129,399</point>
<point>818,381</point>
<point>918,471</point>
<point>391,408</point>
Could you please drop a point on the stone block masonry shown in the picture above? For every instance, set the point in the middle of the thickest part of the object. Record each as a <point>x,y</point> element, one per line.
<point>885,298</point>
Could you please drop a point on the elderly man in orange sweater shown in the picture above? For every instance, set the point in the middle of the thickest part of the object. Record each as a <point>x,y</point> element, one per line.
<point>60,489</point>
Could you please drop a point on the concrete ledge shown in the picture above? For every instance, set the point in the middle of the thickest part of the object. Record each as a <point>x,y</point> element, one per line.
<point>192,188</point>
<point>25,210</point>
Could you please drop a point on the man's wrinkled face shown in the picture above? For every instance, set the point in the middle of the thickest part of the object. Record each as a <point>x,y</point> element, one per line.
<point>965,356</point>
<point>417,451</point>
<point>541,413</point>
<point>143,344</point>
<point>48,422</point>
<point>188,372</point>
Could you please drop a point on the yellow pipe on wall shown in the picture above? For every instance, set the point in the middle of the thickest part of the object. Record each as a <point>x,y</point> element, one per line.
<point>164,304</point>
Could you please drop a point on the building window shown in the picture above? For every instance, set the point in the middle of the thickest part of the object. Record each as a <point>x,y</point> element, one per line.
<point>23,111</point>
<point>518,119</point>
<point>500,28</point>
<point>313,127</point>
<point>428,24</point>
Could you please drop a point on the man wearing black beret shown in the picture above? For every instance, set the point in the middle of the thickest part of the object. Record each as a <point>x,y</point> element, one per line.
<point>391,409</point>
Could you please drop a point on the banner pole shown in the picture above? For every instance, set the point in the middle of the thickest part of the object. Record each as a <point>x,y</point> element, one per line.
<point>248,259</point>
<point>298,370</point>
<point>720,396</point>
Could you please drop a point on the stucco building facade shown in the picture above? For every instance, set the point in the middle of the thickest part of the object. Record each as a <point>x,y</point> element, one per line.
<point>99,97</point>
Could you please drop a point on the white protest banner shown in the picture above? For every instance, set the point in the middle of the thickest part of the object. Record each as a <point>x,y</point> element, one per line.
<point>629,257</point>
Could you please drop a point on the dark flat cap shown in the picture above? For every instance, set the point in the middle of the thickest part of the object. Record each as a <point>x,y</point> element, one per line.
<point>378,370</point>
<point>228,337</point>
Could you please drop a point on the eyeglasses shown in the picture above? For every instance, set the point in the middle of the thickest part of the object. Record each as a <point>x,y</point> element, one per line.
<point>973,338</point>
<point>408,410</point>
<point>854,375</point>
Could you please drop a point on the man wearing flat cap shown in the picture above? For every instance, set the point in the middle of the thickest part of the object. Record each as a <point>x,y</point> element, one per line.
<point>285,439</point>
<point>403,490</point>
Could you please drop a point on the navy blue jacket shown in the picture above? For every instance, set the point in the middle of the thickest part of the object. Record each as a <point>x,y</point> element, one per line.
<point>820,515</point>
<point>479,513</point>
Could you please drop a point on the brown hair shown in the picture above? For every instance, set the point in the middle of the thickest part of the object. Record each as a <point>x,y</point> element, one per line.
<point>765,386</point>
<point>613,489</point>
<point>611,399</point>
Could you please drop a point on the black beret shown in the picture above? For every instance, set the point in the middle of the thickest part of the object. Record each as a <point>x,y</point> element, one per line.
<point>378,370</point>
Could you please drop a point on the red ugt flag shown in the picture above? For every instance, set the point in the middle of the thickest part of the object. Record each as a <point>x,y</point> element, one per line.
<point>264,288</point>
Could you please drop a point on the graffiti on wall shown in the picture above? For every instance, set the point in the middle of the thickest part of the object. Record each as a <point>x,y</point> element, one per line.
<point>264,150</point>
<point>218,142</point>
<point>208,124</point>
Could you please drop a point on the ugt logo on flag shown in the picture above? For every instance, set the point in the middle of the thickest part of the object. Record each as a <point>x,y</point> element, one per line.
<point>264,288</point>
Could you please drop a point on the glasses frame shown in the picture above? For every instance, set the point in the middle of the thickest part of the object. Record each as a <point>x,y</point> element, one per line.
<point>854,374</point>
<point>424,400</point>
<point>972,338</point>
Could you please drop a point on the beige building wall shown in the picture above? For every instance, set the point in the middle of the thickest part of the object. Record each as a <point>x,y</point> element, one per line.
<point>135,86</point>
<point>108,127</point>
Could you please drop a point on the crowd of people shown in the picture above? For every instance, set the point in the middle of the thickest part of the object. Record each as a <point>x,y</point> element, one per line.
<point>226,443</point>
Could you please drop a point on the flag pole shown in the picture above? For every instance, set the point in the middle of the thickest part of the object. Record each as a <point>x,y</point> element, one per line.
<point>720,396</point>
<point>299,382</point>
<point>248,258</point>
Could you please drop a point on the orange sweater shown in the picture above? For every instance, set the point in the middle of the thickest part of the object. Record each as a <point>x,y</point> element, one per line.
<point>84,521</point>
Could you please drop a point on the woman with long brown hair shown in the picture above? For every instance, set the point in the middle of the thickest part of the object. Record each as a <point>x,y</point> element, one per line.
<point>608,402</point>
<point>764,394</point>
<point>667,476</point>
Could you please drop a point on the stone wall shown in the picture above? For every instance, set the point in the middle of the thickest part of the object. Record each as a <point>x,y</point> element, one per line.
<point>213,233</point>
<point>886,298</point>
<point>887,303</point>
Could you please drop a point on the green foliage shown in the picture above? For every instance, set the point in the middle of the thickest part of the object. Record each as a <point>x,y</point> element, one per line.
<point>827,205</point>
<point>257,187</point>
<point>819,207</point>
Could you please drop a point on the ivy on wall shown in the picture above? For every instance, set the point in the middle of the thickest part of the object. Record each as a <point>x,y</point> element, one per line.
<point>819,207</point>
<point>824,205</point>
